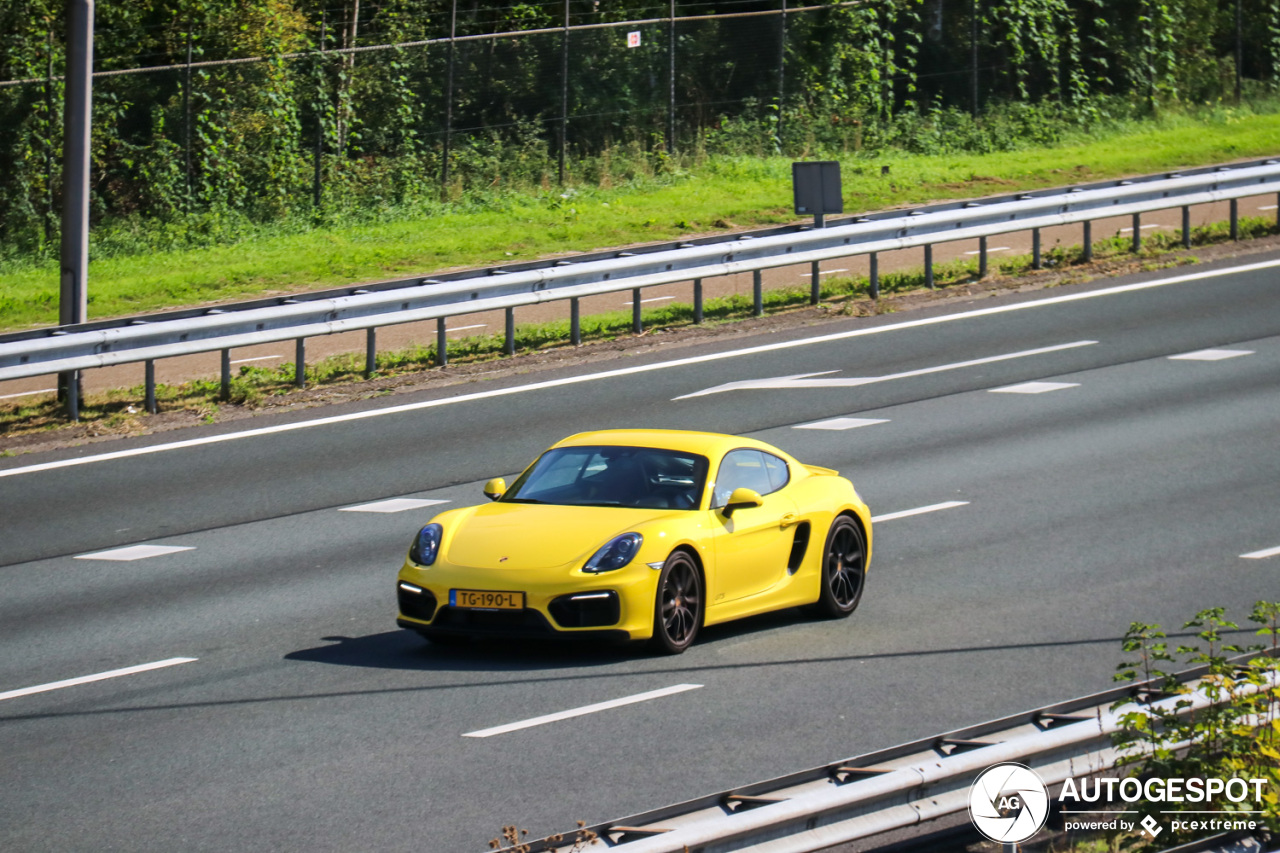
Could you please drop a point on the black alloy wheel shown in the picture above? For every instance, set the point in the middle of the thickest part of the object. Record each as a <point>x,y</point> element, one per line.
<point>844,563</point>
<point>677,612</point>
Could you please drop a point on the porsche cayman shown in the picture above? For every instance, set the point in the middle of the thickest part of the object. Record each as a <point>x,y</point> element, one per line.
<point>639,535</point>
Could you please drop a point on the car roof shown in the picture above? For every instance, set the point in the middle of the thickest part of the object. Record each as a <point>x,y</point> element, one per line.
<point>709,444</point>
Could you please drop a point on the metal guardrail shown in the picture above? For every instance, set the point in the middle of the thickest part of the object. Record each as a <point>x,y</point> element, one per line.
<point>892,789</point>
<point>148,338</point>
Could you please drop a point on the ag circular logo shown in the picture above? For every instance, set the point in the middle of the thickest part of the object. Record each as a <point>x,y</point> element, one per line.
<point>1008,803</point>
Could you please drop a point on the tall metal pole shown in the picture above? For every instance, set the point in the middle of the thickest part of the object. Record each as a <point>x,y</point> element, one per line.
<point>564,90</point>
<point>671,77</point>
<point>448,102</point>
<point>186,118</point>
<point>73,305</point>
<point>973,54</point>
<point>782,69</point>
<point>1239,49</point>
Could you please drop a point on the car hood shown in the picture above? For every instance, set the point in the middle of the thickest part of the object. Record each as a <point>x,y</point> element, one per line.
<point>536,536</point>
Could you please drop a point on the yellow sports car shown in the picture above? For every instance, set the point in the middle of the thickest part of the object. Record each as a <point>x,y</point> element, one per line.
<point>639,535</point>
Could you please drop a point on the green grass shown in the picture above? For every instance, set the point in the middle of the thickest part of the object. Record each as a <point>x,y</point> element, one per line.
<point>714,194</point>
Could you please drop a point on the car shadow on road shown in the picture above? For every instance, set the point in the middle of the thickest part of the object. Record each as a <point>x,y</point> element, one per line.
<point>407,651</point>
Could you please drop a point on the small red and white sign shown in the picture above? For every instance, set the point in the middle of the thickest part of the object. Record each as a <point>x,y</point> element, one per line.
<point>633,39</point>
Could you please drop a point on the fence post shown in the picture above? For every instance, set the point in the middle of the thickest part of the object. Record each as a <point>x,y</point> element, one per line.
<point>226,376</point>
<point>150,382</point>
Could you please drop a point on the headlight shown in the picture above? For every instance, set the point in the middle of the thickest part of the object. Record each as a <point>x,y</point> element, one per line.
<point>615,554</point>
<point>426,545</point>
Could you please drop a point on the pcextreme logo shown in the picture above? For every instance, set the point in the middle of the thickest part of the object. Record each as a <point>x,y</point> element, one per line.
<point>1008,803</point>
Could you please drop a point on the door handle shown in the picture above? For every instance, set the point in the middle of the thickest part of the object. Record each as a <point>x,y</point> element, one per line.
<point>788,520</point>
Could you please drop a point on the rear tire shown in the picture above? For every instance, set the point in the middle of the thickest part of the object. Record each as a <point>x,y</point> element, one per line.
<point>844,565</point>
<point>678,607</point>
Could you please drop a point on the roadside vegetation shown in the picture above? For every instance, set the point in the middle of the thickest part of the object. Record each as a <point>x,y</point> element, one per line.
<point>140,266</point>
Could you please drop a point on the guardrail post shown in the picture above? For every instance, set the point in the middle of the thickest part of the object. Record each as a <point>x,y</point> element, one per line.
<point>982,257</point>
<point>225,393</point>
<point>1235,219</point>
<point>510,347</point>
<point>370,352</point>
<point>928,266</point>
<point>697,301</point>
<point>1035,249</point>
<point>815,284</point>
<point>1137,233</point>
<point>1186,226</point>
<point>150,383</point>
<point>575,322</point>
<point>1087,255</point>
<point>300,362</point>
<point>757,293</point>
<point>1278,210</point>
<point>637,324</point>
<point>442,342</point>
<point>873,278</point>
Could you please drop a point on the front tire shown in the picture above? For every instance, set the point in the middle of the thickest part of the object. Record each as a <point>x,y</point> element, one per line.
<point>844,569</point>
<point>678,608</point>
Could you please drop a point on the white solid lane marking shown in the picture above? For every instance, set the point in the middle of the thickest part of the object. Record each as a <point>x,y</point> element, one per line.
<point>1261,555</point>
<point>587,709</point>
<point>1144,228</point>
<point>907,513</point>
<point>135,552</point>
<point>257,358</point>
<point>1034,387</point>
<point>393,505</point>
<point>29,393</point>
<point>644,368</point>
<point>101,676</point>
<point>1267,207</point>
<point>1211,355</point>
<point>842,423</point>
<point>653,299</point>
<point>464,328</point>
<point>989,250</point>
<point>806,380</point>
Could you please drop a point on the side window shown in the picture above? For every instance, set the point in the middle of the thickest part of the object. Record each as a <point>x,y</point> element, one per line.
<point>779,475</point>
<point>744,469</point>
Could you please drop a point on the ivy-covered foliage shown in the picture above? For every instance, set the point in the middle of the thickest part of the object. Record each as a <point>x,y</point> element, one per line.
<point>350,105</point>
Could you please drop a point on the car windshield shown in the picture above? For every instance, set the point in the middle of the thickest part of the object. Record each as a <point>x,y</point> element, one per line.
<point>646,477</point>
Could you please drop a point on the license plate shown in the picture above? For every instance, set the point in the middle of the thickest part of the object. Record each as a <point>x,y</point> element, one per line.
<point>479,599</point>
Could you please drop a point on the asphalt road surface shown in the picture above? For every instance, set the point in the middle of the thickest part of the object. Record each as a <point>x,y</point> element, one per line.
<point>1046,468</point>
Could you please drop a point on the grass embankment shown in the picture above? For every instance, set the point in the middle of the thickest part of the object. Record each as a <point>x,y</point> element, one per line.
<point>700,196</point>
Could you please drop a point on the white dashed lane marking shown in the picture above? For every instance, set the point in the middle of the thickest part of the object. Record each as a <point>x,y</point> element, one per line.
<point>842,423</point>
<point>86,679</point>
<point>135,552</point>
<point>1211,355</point>
<point>393,505</point>
<point>579,712</point>
<point>907,513</point>
<point>1034,387</point>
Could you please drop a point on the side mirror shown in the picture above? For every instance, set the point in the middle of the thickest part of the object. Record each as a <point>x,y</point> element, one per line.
<point>494,488</point>
<point>742,498</point>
